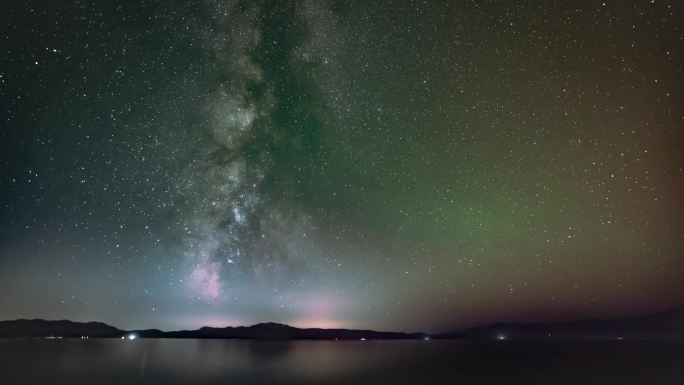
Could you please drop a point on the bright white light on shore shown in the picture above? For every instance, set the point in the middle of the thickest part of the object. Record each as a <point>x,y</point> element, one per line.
<point>501,337</point>
<point>132,336</point>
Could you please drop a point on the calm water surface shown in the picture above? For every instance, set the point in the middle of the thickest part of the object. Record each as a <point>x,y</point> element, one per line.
<point>353,362</point>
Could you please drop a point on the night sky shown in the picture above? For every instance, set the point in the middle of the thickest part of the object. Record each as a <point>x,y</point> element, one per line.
<point>396,165</point>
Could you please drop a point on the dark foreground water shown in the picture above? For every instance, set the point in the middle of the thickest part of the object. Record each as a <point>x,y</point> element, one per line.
<point>356,362</point>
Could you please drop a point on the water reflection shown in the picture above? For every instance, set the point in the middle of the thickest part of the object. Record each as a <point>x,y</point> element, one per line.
<point>95,361</point>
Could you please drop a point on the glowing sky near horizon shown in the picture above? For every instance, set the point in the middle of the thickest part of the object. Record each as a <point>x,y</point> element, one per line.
<point>403,165</point>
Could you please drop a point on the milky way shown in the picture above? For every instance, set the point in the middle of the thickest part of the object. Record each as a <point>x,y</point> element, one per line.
<point>395,165</point>
<point>231,227</point>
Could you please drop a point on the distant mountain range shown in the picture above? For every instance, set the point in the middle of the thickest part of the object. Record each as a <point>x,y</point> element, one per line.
<point>275,331</point>
<point>666,325</point>
<point>63,328</point>
<point>264,331</point>
<point>663,325</point>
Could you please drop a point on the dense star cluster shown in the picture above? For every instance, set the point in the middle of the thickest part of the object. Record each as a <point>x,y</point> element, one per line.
<point>391,165</point>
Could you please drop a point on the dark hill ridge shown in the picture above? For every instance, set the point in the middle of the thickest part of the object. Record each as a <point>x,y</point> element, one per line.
<point>665,325</point>
<point>266,331</point>
<point>274,331</point>
<point>62,328</point>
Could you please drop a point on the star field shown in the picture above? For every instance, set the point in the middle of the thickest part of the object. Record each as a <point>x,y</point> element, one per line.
<point>397,165</point>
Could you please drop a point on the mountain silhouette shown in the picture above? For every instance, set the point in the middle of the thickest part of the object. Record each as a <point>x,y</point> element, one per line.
<point>665,325</point>
<point>275,331</point>
<point>62,328</point>
<point>270,331</point>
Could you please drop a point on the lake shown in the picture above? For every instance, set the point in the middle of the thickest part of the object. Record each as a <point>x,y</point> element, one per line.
<point>165,361</point>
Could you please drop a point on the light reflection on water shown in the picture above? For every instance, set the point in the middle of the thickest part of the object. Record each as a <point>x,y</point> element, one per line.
<point>95,361</point>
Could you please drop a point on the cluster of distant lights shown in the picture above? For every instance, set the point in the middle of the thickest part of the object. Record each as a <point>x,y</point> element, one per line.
<point>129,337</point>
